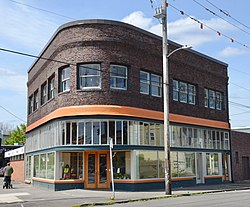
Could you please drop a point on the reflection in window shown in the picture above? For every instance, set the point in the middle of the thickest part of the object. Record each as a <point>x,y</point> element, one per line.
<point>64,79</point>
<point>89,76</point>
<point>144,82</point>
<point>212,164</point>
<point>81,133</point>
<point>104,132</point>
<point>88,134</point>
<point>118,77</point>
<point>182,164</point>
<point>96,132</point>
<point>118,132</point>
<point>121,164</point>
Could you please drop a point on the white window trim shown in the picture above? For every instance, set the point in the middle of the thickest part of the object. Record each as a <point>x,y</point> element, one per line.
<point>119,77</point>
<point>64,81</point>
<point>89,76</point>
<point>147,82</point>
<point>156,85</point>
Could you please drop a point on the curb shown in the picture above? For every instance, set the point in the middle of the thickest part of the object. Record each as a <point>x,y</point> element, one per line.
<point>112,202</point>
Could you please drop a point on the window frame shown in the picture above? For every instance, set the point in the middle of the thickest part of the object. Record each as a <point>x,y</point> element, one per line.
<point>36,100</point>
<point>80,77</point>
<point>30,109</point>
<point>187,93</point>
<point>215,97</point>
<point>44,91</point>
<point>51,87</point>
<point>117,77</point>
<point>145,82</point>
<point>64,82</point>
<point>154,84</point>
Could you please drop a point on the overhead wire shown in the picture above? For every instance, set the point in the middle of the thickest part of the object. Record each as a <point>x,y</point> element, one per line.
<point>12,114</point>
<point>227,14</point>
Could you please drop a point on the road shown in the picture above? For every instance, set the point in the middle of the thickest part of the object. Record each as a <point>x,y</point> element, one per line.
<point>224,199</point>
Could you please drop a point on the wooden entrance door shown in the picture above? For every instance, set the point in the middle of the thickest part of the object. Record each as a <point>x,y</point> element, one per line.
<point>97,170</point>
<point>245,168</point>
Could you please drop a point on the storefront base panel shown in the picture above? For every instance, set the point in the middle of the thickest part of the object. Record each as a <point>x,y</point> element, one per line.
<point>58,186</point>
<point>213,181</point>
<point>183,183</point>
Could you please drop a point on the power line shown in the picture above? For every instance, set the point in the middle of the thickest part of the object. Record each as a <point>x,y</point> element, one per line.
<point>215,14</point>
<point>12,114</point>
<point>202,25</point>
<point>227,14</point>
<point>239,86</point>
<point>44,10</point>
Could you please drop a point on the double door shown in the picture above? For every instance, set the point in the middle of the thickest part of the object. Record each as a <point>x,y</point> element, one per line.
<point>97,173</point>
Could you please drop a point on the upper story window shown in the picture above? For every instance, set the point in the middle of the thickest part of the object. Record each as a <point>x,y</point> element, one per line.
<point>150,84</point>
<point>184,92</point>
<point>89,76</point>
<point>35,100</point>
<point>156,85</point>
<point>213,99</point>
<point>51,87</point>
<point>144,82</point>
<point>64,75</point>
<point>118,77</point>
<point>30,109</point>
<point>43,93</point>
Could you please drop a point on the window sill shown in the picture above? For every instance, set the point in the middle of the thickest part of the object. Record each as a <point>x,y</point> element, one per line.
<point>64,92</point>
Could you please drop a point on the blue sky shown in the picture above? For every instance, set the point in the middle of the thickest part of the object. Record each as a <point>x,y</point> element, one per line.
<point>26,29</point>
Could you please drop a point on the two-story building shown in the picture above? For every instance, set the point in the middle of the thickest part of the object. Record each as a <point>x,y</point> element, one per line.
<point>98,79</point>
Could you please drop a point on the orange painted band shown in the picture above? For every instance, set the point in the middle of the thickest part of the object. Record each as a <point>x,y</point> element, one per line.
<point>140,181</point>
<point>113,110</point>
<point>57,181</point>
<point>182,178</point>
<point>213,176</point>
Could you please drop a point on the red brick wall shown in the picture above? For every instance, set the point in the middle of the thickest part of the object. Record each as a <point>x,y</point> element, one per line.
<point>240,143</point>
<point>18,167</point>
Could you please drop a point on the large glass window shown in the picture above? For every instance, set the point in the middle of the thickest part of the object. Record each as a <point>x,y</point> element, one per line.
<point>81,133</point>
<point>64,81</point>
<point>212,164</point>
<point>118,77</point>
<point>182,164</point>
<point>121,165</point>
<point>144,82</point>
<point>36,166</point>
<point>89,76</point>
<point>42,166</point>
<point>184,92</point>
<point>72,165</point>
<point>50,165</point>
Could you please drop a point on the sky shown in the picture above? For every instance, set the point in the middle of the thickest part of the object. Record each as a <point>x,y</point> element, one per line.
<point>217,28</point>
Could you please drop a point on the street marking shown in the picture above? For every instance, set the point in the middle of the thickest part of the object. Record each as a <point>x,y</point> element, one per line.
<point>11,197</point>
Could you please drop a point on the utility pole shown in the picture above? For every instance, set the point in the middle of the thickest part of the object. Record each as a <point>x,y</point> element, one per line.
<point>161,13</point>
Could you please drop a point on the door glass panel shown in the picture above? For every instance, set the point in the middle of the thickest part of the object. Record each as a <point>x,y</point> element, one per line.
<point>103,168</point>
<point>91,169</point>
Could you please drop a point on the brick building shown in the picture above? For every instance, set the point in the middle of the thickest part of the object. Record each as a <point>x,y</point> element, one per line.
<point>103,79</point>
<point>240,142</point>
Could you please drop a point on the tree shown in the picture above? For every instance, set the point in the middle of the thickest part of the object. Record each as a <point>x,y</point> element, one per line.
<point>17,135</point>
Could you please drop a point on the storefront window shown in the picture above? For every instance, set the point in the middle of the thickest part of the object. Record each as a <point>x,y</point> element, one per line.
<point>72,165</point>
<point>50,166</point>
<point>36,166</point>
<point>121,165</point>
<point>212,164</point>
<point>43,166</point>
<point>147,162</point>
<point>183,164</point>
<point>28,168</point>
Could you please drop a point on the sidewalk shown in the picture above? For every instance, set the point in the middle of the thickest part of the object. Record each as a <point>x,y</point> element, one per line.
<point>27,193</point>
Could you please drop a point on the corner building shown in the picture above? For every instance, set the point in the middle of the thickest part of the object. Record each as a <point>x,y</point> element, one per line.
<point>99,79</point>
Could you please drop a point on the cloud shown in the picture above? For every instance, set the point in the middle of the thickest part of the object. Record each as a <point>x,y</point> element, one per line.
<point>12,81</point>
<point>183,31</point>
<point>232,51</point>
<point>138,19</point>
<point>24,26</point>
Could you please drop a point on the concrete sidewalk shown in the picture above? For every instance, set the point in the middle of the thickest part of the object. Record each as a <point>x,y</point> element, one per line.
<point>81,197</point>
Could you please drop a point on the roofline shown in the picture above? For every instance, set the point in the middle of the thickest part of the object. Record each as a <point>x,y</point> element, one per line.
<point>118,23</point>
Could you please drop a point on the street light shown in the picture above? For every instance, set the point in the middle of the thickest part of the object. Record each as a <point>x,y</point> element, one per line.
<point>184,47</point>
<point>161,13</point>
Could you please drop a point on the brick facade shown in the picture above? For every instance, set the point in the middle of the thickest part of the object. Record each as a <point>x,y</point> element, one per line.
<point>240,143</point>
<point>110,42</point>
<point>18,167</point>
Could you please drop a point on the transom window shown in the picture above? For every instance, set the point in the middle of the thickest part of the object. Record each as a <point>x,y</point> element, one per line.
<point>150,84</point>
<point>184,92</point>
<point>89,76</point>
<point>51,87</point>
<point>118,77</point>
<point>213,99</point>
<point>64,79</point>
